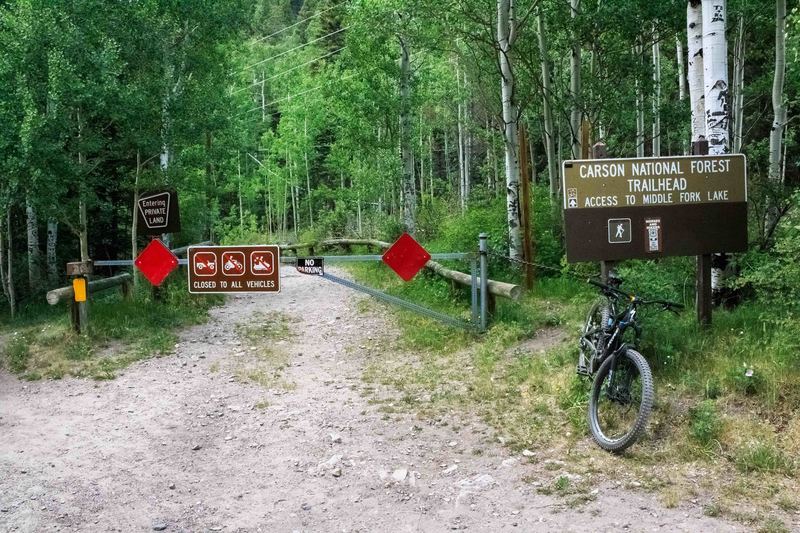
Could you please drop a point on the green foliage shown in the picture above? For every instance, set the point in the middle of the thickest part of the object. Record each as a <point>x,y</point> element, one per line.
<point>776,275</point>
<point>705,423</point>
<point>459,232</point>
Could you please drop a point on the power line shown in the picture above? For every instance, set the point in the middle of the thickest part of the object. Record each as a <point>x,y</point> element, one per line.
<point>285,98</point>
<point>273,34</point>
<point>288,70</point>
<point>295,48</point>
<point>310,90</point>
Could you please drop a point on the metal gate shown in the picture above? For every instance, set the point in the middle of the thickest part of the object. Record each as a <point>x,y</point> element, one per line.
<point>478,284</point>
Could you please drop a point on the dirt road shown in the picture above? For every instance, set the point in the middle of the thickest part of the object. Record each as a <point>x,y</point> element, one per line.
<point>182,443</point>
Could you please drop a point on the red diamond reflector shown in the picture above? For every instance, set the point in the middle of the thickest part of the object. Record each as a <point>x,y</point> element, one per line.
<point>406,257</point>
<point>156,262</point>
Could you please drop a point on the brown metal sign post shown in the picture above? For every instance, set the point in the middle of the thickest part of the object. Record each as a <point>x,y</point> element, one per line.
<point>646,208</point>
<point>234,269</point>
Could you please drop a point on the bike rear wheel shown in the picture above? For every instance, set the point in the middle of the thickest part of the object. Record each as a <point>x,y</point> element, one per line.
<point>621,401</point>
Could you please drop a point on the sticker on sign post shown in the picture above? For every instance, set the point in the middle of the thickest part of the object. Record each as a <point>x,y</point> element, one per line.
<point>653,235</point>
<point>313,266</point>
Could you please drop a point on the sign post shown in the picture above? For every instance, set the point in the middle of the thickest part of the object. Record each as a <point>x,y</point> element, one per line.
<point>647,208</point>
<point>79,308</point>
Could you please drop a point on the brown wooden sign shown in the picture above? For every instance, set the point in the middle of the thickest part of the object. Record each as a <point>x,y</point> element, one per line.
<point>157,212</point>
<point>234,269</point>
<point>654,207</point>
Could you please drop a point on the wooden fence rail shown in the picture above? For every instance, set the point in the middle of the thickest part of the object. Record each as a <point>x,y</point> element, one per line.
<point>67,294</point>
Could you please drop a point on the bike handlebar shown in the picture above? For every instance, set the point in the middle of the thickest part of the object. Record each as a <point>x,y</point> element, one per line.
<point>613,290</point>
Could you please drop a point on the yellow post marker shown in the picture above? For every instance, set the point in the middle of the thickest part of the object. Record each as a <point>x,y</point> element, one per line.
<point>79,287</point>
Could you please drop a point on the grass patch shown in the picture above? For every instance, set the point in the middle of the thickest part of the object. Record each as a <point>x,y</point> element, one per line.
<point>273,326</point>
<point>764,457</point>
<point>17,353</point>
<point>265,359</point>
<point>42,343</point>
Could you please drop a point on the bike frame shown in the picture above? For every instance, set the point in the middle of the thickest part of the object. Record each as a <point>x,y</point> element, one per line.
<point>614,344</point>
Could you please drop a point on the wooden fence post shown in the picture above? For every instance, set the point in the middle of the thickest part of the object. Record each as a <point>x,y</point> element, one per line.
<point>527,230</point>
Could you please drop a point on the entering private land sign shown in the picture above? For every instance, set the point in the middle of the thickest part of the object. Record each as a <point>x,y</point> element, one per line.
<point>654,207</point>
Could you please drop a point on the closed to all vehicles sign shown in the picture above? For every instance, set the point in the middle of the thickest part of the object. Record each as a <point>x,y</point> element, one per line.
<point>234,269</point>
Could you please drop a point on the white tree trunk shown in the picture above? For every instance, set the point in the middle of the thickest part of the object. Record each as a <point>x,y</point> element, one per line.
<point>462,193</point>
<point>694,36</point>
<point>778,101</point>
<point>463,140</point>
<point>738,87</point>
<point>430,163</point>
<point>505,39</point>
<point>34,252</point>
<point>3,284</point>
<point>263,100</point>
<point>308,173</point>
<point>83,219</point>
<point>467,141</point>
<point>409,198</point>
<point>52,259</point>
<point>656,94</point>
<point>681,63</point>
<point>489,177</point>
<point>776,170</point>
<point>715,77</point>
<point>639,104</point>
<point>11,294</point>
<point>446,156</point>
<point>575,85</point>
<point>549,137</point>
<point>421,162</point>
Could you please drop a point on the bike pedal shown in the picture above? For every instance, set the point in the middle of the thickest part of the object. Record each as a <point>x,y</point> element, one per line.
<point>583,370</point>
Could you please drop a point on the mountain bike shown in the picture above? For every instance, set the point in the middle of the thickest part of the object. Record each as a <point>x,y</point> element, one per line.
<point>622,391</point>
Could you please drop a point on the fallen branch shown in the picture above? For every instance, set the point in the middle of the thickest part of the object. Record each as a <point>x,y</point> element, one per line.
<point>496,288</point>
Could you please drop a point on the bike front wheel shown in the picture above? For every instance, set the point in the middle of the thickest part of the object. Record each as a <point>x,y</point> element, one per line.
<point>621,401</point>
